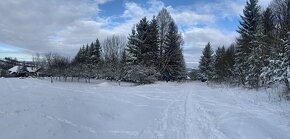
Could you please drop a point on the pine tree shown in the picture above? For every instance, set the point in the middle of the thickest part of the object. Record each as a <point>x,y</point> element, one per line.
<point>206,63</point>
<point>174,60</point>
<point>143,42</point>
<point>220,64</point>
<point>256,59</point>
<point>247,29</point>
<point>153,53</point>
<point>278,62</point>
<point>80,57</point>
<point>270,50</point>
<point>268,32</point>
<point>96,53</point>
<point>285,56</point>
<point>132,49</point>
<point>142,52</point>
<point>230,63</point>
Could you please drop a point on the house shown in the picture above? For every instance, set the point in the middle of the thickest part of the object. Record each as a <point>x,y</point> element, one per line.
<point>23,71</point>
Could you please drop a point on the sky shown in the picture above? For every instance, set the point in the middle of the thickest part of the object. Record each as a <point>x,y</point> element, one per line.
<point>28,27</point>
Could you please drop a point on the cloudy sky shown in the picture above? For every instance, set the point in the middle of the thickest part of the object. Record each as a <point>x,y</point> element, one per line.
<point>62,26</point>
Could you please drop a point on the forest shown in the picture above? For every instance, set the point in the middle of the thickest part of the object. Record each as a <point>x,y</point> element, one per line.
<point>260,57</point>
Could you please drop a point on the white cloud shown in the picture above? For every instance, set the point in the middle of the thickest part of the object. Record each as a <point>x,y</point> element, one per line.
<point>63,26</point>
<point>31,24</point>
<point>197,38</point>
<point>187,17</point>
<point>133,10</point>
<point>200,36</point>
<point>265,3</point>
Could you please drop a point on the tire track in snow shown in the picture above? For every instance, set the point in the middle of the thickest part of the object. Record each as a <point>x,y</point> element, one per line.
<point>171,124</point>
<point>203,123</point>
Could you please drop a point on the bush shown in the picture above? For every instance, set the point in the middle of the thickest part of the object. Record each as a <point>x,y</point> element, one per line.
<point>141,74</point>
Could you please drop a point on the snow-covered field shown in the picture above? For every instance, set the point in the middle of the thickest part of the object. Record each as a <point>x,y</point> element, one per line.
<point>37,109</point>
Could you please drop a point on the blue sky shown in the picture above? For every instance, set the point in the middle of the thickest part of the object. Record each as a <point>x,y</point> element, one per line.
<point>62,26</point>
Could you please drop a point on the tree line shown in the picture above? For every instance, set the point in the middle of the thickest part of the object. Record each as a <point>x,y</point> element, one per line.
<point>261,55</point>
<point>151,52</point>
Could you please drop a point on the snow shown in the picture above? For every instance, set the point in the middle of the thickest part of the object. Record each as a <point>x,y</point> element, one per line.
<point>33,108</point>
<point>31,69</point>
<point>13,69</point>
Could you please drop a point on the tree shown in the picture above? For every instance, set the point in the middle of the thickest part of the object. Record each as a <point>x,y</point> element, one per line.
<point>96,52</point>
<point>268,32</point>
<point>280,10</point>
<point>163,20</point>
<point>140,74</point>
<point>142,50</point>
<point>112,51</point>
<point>206,63</point>
<point>174,64</point>
<point>153,50</point>
<point>194,74</point>
<point>132,49</point>
<point>220,65</point>
<point>230,63</point>
<point>247,29</point>
<point>256,59</point>
<point>143,43</point>
<point>278,63</point>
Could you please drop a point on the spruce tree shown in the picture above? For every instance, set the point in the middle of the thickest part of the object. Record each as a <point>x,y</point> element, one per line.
<point>230,63</point>
<point>153,40</point>
<point>206,63</point>
<point>270,50</point>
<point>96,53</point>
<point>256,58</point>
<point>143,44</point>
<point>220,65</point>
<point>142,53</point>
<point>268,32</point>
<point>174,60</point>
<point>278,62</point>
<point>247,29</point>
<point>285,56</point>
<point>132,49</point>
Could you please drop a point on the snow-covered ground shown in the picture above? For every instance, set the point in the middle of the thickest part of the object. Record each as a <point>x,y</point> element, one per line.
<point>37,109</point>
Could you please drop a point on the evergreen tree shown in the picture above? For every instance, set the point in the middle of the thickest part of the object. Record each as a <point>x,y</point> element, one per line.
<point>80,57</point>
<point>220,64</point>
<point>132,49</point>
<point>230,63</point>
<point>163,20</point>
<point>142,50</point>
<point>270,50</point>
<point>206,62</point>
<point>96,53</point>
<point>278,62</point>
<point>256,59</point>
<point>87,53</point>
<point>247,29</point>
<point>284,68</point>
<point>143,44</point>
<point>174,60</point>
<point>153,53</point>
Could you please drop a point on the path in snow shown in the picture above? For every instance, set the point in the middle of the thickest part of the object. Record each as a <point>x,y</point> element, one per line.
<point>31,108</point>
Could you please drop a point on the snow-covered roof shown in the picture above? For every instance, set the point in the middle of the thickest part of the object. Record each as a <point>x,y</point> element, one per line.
<point>16,68</point>
<point>13,69</point>
<point>31,69</point>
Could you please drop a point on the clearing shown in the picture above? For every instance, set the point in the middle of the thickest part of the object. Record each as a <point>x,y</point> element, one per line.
<point>32,108</point>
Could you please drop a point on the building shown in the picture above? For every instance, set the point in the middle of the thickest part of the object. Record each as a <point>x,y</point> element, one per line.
<point>23,71</point>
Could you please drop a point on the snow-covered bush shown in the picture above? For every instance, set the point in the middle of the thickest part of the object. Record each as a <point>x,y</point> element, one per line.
<point>141,74</point>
